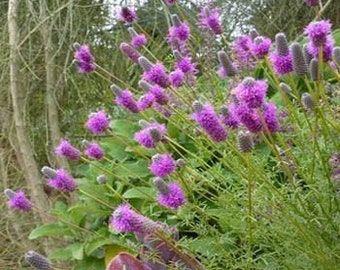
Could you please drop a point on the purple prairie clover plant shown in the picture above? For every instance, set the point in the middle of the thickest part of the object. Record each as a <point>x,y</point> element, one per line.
<point>93,150</point>
<point>137,40</point>
<point>145,101</point>
<point>18,200</point>
<point>170,194</point>
<point>179,31</point>
<point>270,118</point>
<point>170,2</point>
<point>59,179</point>
<point>209,19</point>
<point>241,51</point>
<point>206,117</point>
<point>252,92</point>
<point>124,219</point>
<point>38,261</point>
<point>130,52</point>
<point>127,15</point>
<point>162,165</point>
<point>154,73</point>
<point>83,58</point>
<point>98,122</point>
<point>247,116</point>
<point>67,150</point>
<point>318,31</point>
<point>157,91</point>
<point>229,119</point>
<point>124,98</point>
<point>260,46</point>
<point>184,63</point>
<point>281,58</point>
<point>151,134</point>
<point>227,68</point>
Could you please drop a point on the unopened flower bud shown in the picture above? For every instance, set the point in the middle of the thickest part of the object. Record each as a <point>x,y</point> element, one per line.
<point>245,141</point>
<point>253,34</point>
<point>299,61</point>
<point>180,162</point>
<point>226,63</point>
<point>101,179</point>
<point>281,44</point>
<point>143,123</point>
<point>38,261</point>
<point>49,172</point>
<point>175,20</point>
<point>307,101</point>
<point>144,63</point>
<point>76,46</point>
<point>161,185</point>
<point>314,69</point>
<point>144,85</point>
<point>197,106</point>
<point>336,56</point>
<point>285,88</point>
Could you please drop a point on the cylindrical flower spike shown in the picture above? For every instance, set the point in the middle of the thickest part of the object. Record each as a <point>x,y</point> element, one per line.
<point>245,141</point>
<point>285,88</point>
<point>281,44</point>
<point>98,122</point>
<point>125,99</point>
<point>336,56</point>
<point>154,73</point>
<point>209,19</point>
<point>299,62</point>
<point>260,47</point>
<point>18,200</point>
<point>162,165</point>
<point>312,3</point>
<point>307,54</point>
<point>170,194</point>
<point>137,40</point>
<point>151,134</point>
<point>93,150</point>
<point>130,52</point>
<point>253,34</point>
<point>318,31</point>
<point>67,150</point>
<point>127,15</point>
<point>179,31</point>
<point>226,64</point>
<point>206,117</point>
<point>84,58</point>
<point>38,261</point>
<point>59,179</point>
<point>252,92</point>
<point>314,69</point>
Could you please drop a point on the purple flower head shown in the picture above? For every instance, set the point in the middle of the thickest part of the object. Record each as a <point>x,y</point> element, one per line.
<point>84,58</point>
<point>139,41</point>
<point>184,64</point>
<point>130,52</point>
<point>65,149</point>
<point>60,180</point>
<point>18,200</point>
<point>270,118</point>
<point>206,117</point>
<point>260,47</point>
<point>93,150</point>
<point>312,3</point>
<point>176,78</point>
<point>125,99</point>
<point>170,2</point>
<point>158,92</point>
<point>247,116</point>
<point>98,122</point>
<point>154,73</point>
<point>127,15</point>
<point>210,20</point>
<point>151,134</point>
<point>327,49</point>
<point>228,118</point>
<point>124,219</point>
<point>170,195</point>
<point>317,32</point>
<point>162,165</point>
<point>145,101</point>
<point>282,64</point>
<point>252,92</point>
<point>179,30</point>
<point>241,51</point>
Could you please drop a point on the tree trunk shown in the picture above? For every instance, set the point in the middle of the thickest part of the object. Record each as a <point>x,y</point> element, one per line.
<point>24,150</point>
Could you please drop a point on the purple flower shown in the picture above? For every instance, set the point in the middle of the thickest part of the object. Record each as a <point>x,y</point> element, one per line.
<point>176,78</point>
<point>61,181</point>
<point>154,73</point>
<point>185,64</point>
<point>228,118</point>
<point>206,117</point>
<point>270,118</point>
<point>327,49</point>
<point>84,58</point>
<point>170,195</point>
<point>260,47</point>
<point>125,99</point>
<point>93,150</point>
<point>170,2</point>
<point>162,165</point>
<point>159,94</point>
<point>145,101</point>
<point>312,2</point>
<point>247,116</point>
<point>241,51</point>
<point>282,64</point>
<point>179,30</point>
<point>252,92</point>
<point>227,67</point>
<point>139,41</point>
<point>127,15</point>
<point>98,122</point>
<point>65,149</point>
<point>124,219</point>
<point>130,52</point>
<point>151,134</point>
<point>18,200</point>
<point>318,31</point>
<point>210,20</point>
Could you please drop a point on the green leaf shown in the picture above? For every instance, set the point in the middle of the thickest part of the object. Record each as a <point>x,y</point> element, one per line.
<point>140,193</point>
<point>132,169</point>
<point>124,128</point>
<point>96,243</point>
<point>53,229</point>
<point>77,250</point>
<point>62,254</point>
<point>114,147</point>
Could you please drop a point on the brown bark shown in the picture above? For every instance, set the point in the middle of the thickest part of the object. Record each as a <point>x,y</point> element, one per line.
<point>24,150</point>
